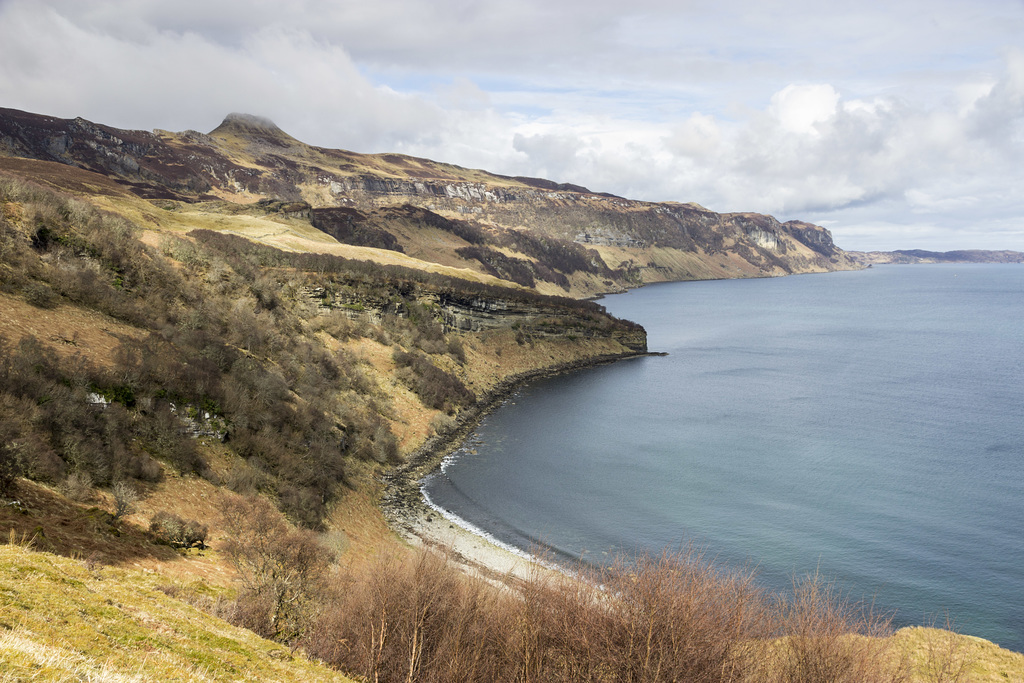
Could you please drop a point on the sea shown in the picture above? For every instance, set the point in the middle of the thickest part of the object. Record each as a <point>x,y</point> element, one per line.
<point>867,426</point>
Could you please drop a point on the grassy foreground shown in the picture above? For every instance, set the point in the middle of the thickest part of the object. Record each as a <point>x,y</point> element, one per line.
<point>62,620</point>
<point>393,614</point>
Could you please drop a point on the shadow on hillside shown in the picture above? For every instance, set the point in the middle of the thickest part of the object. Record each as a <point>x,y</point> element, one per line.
<point>56,525</point>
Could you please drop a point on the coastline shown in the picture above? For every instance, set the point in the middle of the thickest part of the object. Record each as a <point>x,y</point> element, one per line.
<point>422,524</point>
<point>906,617</point>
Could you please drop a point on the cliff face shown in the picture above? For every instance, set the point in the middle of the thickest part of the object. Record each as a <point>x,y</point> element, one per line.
<point>475,314</point>
<point>460,312</point>
<point>557,238</point>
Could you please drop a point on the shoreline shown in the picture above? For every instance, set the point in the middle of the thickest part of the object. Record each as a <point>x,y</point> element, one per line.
<point>418,522</point>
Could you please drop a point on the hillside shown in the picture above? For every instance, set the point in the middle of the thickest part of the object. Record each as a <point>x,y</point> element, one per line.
<point>152,355</point>
<point>220,353</point>
<point>557,238</point>
<point>66,620</point>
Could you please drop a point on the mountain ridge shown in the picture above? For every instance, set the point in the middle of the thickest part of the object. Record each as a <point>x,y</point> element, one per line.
<point>247,159</point>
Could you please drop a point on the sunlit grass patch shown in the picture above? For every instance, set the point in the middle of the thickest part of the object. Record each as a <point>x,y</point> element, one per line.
<point>942,655</point>
<point>60,620</point>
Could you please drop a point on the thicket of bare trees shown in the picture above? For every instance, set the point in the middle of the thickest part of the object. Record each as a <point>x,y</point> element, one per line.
<point>416,616</point>
<point>229,345</point>
<point>675,617</point>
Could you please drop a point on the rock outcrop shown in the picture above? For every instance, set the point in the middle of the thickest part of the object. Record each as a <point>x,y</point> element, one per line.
<point>530,317</point>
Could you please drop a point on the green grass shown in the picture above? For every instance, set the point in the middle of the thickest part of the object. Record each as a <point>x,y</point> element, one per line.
<point>942,655</point>
<point>62,620</point>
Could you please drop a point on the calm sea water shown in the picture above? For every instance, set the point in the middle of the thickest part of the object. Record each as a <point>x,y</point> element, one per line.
<point>868,424</point>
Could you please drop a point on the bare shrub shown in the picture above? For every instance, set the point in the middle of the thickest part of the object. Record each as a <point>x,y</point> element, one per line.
<point>674,617</point>
<point>671,618</point>
<point>40,295</point>
<point>418,618</point>
<point>12,460</point>
<point>436,388</point>
<point>341,328</point>
<point>125,498</point>
<point>679,617</point>
<point>171,529</point>
<point>946,657</point>
<point>77,486</point>
<point>456,350</point>
<point>828,638</point>
<point>246,480</point>
<point>283,570</point>
<point>11,467</point>
<point>442,423</point>
<point>145,468</point>
<point>385,445</point>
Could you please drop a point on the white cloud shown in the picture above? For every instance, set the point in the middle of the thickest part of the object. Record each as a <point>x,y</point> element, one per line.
<point>551,154</point>
<point>872,115</point>
<point>698,138</point>
<point>177,80</point>
<point>800,108</point>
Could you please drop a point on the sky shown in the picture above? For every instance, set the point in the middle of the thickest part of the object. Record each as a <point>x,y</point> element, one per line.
<point>895,124</point>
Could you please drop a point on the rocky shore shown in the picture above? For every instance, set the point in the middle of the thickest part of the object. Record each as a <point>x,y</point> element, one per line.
<point>409,515</point>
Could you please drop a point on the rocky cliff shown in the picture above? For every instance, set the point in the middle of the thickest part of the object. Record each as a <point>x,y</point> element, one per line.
<point>529,317</point>
<point>557,238</point>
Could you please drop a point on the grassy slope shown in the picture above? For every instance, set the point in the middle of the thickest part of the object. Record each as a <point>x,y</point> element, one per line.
<point>62,650</point>
<point>966,658</point>
<point>656,264</point>
<point>61,619</point>
<point>426,249</point>
<point>67,619</point>
<point>282,233</point>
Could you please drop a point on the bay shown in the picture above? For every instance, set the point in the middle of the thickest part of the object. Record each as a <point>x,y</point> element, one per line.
<point>868,425</point>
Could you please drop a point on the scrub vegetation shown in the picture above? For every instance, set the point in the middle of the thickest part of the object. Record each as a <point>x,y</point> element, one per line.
<point>231,339</point>
<point>193,428</point>
<point>416,617</point>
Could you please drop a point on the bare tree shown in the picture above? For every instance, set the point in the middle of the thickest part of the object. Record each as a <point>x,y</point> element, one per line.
<point>283,570</point>
<point>125,498</point>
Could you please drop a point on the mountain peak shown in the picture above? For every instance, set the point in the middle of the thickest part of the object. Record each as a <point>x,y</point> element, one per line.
<point>253,128</point>
<point>239,119</point>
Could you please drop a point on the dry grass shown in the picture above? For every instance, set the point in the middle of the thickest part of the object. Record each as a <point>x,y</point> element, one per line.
<point>410,419</point>
<point>87,530</point>
<point>63,177</point>
<point>61,621</point>
<point>357,520</point>
<point>282,233</point>
<point>942,656</point>
<point>495,355</point>
<point>69,330</point>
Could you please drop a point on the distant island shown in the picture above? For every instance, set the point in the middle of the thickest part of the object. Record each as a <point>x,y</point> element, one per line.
<point>869,258</point>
